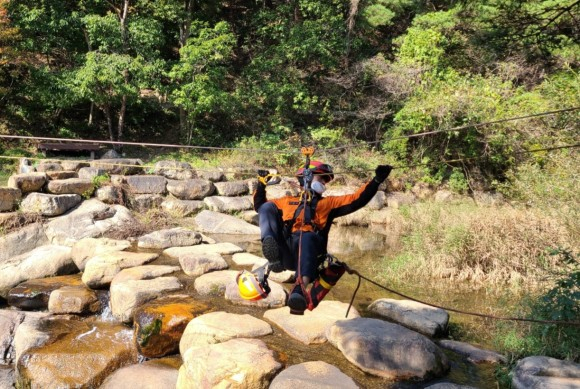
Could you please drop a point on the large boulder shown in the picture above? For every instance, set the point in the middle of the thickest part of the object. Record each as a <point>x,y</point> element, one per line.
<point>9,322</point>
<point>90,220</point>
<point>197,264</point>
<point>144,202</point>
<point>49,204</point>
<point>182,208</point>
<point>80,186</point>
<point>9,197</point>
<point>387,350</point>
<point>423,318</point>
<point>228,204</point>
<point>21,241</point>
<point>86,248</point>
<point>101,269</point>
<point>174,170</point>
<point>159,324</point>
<point>35,294</point>
<point>27,182</point>
<point>314,374</point>
<point>146,184</point>
<point>231,188</point>
<point>219,223</point>
<point>216,327</point>
<point>546,373</point>
<point>44,261</point>
<point>194,189</point>
<point>310,328</point>
<point>154,374</point>
<point>126,296</point>
<point>76,355</point>
<point>212,175</point>
<point>110,194</point>
<point>145,272</point>
<point>174,237</point>
<point>237,363</point>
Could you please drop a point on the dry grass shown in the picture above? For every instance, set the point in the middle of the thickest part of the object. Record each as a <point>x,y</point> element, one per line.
<point>17,220</point>
<point>153,220</point>
<point>479,246</point>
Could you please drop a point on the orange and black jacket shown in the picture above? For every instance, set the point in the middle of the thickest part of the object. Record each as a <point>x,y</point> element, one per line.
<point>326,210</point>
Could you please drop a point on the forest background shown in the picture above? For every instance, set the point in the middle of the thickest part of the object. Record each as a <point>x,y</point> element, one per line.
<point>356,78</point>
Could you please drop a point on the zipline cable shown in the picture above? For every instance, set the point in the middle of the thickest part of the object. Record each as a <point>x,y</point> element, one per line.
<point>494,317</point>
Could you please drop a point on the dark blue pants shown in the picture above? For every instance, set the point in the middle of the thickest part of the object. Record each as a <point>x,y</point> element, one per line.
<point>310,245</point>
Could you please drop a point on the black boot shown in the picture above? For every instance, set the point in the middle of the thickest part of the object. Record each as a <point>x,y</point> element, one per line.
<point>271,252</point>
<point>296,301</point>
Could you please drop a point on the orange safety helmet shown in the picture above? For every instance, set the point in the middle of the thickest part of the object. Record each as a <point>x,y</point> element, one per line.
<point>318,168</point>
<point>249,286</point>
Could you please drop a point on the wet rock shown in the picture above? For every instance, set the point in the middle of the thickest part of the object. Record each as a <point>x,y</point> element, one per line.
<point>49,204</point>
<point>145,202</point>
<point>215,222</point>
<point>28,333</point>
<point>247,259</point>
<point>194,189</point>
<point>214,283</point>
<point>231,188</point>
<point>473,354</point>
<point>62,175</point>
<point>154,374</point>
<point>145,272</point>
<point>174,170</point>
<point>73,299</point>
<point>86,248</point>
<point>27,182</point>
<point>198,264</point>
<point>310,328</point>
<point>48,167</point>
<point>110,194</point>
<point>79,355</point>
<point>35,294</point>
<point>212,175</point>
<point>128,295</point>
<point>387,350</point>
<point>276,298</point>
<point>146,184</point>
<point>160,324</point>
<point>398,199</point>
<point>91,219</point>
<point>124,166</point>
<point>546,373</point>
<point>88,173</point>
<point>22,241</point>
<point>182,208</point>
<point>237,363</point>
<point>80,186</point>
<point>73,165</point>
<point>224,248</point>
<point>101,269</point>
<point>44,261</point>
<point>228,204</point>
<point>174,237</point>
<point>7,377</point>
<point>216,327</point>
<point>315,374</point>
<point>423,318</point>
<point>9,197</point>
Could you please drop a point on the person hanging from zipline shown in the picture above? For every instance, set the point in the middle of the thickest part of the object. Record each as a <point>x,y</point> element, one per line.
<point>294,229</point>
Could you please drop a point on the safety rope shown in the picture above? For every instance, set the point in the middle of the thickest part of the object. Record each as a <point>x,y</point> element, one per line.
<point>349,270</point>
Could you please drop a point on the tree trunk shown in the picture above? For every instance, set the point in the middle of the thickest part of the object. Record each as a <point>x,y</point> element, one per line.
<point>121,124</point>
<point>107,111</point>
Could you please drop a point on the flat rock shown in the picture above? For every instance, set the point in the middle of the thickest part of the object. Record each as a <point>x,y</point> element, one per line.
<point>27,182</point>
<point>387,350</point>
<point>146,184</point>
<point>276,298</point>
<point>145,272</point>
<point>194,189</point>
<point>212,175</point>
<point>128,295</point>
<point>313,375</point>
<point>21,241</point>
<point>61,175</point>
<point>75,300</point>
<point>473,354</point>
<point>228,204</point>
<point>174,237</point>
<point>247,259</point>
<point>88,173</point>
<point>86,248</point>
<point>198,264</point>
<point>310,328</point>
<point>423,318</point>
<point>79,186</point>
<point>216,327</point>
<point>35,293</point>
<point>154,374</point>
<point>546,373</point>
<point>182,208</point>
<point>49,204</point>
<point>214,283</point>
<point>237,363</point>
<point>44,261</point>
<point>174,170</point>
<point>215,222</point>
<point>101,269</point>
<point>231,188</point>
<point>224,248</point>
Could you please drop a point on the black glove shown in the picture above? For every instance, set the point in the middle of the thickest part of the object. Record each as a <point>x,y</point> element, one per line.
<point>262,174</point>
<point>382,172</point>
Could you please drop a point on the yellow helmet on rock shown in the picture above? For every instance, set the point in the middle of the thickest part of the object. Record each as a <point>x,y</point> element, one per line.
<point>249,286</point>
